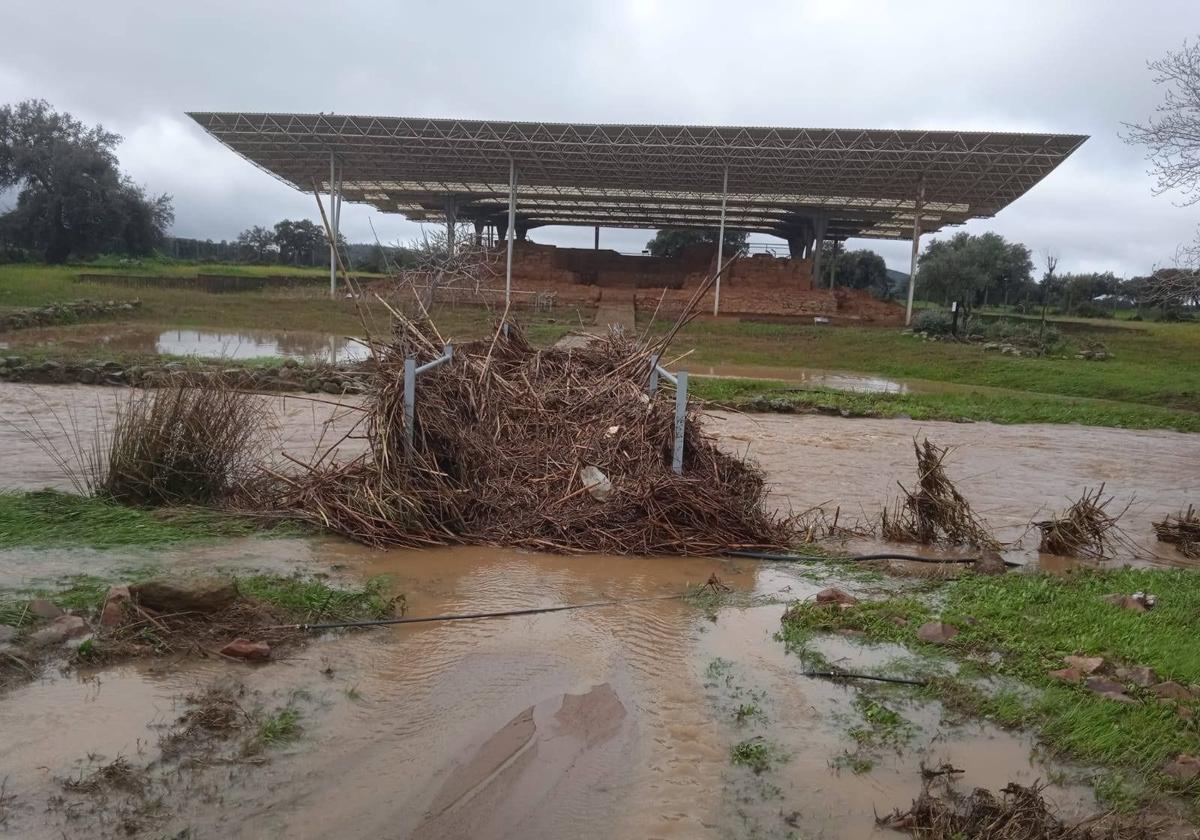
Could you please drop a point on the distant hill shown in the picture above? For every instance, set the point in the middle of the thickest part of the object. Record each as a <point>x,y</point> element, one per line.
<point>898,281</point>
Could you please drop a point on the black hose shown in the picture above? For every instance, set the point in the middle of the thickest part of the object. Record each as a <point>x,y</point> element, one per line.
<point>847,675</point>
<point>380,622</point>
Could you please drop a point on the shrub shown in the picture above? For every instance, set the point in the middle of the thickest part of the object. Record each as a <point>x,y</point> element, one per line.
<point>1023,335</point>
<point>1087,309</point>
<point>180,445</point>
<point>934,322</point>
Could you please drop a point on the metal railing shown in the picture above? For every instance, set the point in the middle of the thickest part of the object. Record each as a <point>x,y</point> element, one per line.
<point>411,372</point>
<point>680,381</point>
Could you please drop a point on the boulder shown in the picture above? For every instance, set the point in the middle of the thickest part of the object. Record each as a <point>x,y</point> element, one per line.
<point>1108,689</point>
<point>1084,664</point>
<point>936,632</point>
<point>200,595</point>
<point>833,595</point>
<point>1172,690</point>
<point>112,614</point>
<point>1183,767</point>
<point>246,649</point>
<point>58,631</point>
<point>1142,676</point>
<point>43,609</point>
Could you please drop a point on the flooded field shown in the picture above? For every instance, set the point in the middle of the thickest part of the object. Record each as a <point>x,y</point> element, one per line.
<point>204,343</point>
<point>609,722</point>
<point>1012,474</point>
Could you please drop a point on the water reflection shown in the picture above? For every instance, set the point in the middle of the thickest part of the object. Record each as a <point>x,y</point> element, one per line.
<point>810,378</point>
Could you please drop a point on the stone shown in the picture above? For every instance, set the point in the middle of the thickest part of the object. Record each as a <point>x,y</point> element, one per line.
<point>1085,664</point>
<point>87,376</point>
<point>45,610</point>
<point>1071,675</point>
<point>112,614</point>
<point>14,361</point>
<point>1125,602</point>
<point>200,595</point>
<point>7,633</point>
<point>246,649</point>
<point>331,387</point>
<point>936,632</point>
<point>58,631</point>
<point>1172,690</point>
<point>899,621</point>
<point>1142,676</point>
<point>290,363</point>
<point>1108,689</point>
<point>1183,767</point>
<point>833,595</point>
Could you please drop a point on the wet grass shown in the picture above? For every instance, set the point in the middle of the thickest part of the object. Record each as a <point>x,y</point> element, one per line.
<point>1016,628</point>
<point>755,753</point>
<point>51,519</point>
<point>1008,408</point>
<point>314,600</point>
<point>279,727</point>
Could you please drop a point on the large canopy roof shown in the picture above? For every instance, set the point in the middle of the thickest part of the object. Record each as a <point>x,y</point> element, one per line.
<point>781,181</point>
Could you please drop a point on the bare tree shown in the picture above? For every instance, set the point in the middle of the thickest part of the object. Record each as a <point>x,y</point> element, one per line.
<point>1172,135</point>
<point>448,263</point>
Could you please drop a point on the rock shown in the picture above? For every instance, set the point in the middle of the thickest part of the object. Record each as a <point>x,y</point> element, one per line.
<point>290,363</point>
<point>14,361</point>
<point>1084,664</point>
<point>1183,767</point>
<point>112,614</point>
<point>58,631</point>
<point>7,633</point>
<point>246,649</point>
<point>1142,676</point>
<point>200,595</point>
<point>833,595</point>
<point>899,621</point>
<point>936,632</point>
<point>312,385</point>
<point>1108,689</point>
<point>990,563</point>
<point>45,610</point>
<point>851,633</point>
<point>87,376</point>
<point>1071,675</point>
<point>1125,602</point>
<point>331,387</point>
<point>597,483</point>
<point>1172,690</point>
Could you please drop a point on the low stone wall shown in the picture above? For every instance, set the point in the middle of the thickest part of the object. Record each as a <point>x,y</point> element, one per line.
<point>65,313</point>
<point>288,376</point>
<point>215,283</point>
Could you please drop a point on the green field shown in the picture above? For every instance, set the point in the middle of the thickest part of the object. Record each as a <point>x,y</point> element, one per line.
<point>1151,381</point>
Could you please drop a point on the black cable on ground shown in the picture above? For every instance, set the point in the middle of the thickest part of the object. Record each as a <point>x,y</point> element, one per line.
<point>847,675</point>
<point>381,622</point>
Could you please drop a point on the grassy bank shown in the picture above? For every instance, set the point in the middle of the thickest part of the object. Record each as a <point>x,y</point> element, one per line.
<point>50,519</point>
<point>996,407</point>
<point>1154,364</point>
<point>1015,629</point>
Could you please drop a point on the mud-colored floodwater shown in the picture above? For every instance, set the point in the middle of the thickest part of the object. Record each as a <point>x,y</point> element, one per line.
<point>186,341</point>
<point>612,722</point>
<point>1011,474</point>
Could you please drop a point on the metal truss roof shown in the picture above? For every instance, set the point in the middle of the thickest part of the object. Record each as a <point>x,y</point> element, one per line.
<point>781,180</point>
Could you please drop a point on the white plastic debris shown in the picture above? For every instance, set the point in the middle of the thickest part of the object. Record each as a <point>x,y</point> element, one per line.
<point>596,482</point>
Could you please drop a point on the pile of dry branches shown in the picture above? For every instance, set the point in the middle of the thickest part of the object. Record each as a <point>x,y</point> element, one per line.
<point>1086,529</point>
<point>1019,814</point>
<point>934,511</point>
<point>1182,530</point>
<point>502,436</point>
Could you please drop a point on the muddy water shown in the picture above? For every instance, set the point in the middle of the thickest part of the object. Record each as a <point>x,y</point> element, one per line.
<point>605,723</point>
<point>180,341</point>
<point>1011,474</point>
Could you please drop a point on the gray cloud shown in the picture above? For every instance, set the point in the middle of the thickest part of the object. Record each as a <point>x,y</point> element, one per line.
<point>1069,67</point>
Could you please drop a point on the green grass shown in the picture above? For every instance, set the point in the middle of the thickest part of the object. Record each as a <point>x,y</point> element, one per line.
<point>882,726</point>
<point>277,728</point>
<point>754,753</point>
<point>1008,407</point>
<point>315,600</point>
<point>1032,621</point>
<point>1153,364</point>
<point>50,519</point>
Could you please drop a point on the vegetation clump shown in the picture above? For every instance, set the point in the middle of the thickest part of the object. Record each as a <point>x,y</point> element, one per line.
<point>934,511</point>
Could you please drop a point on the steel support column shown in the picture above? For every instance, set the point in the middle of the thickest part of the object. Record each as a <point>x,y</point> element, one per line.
<point>916,247</point>
<point>818,246</point>
<point>596,247</point>
<point>721,242</point>
<point>332,226</point>
<point>511,231</point>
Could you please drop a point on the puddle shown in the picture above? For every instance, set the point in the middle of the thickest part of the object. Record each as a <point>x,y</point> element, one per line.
<point>208,344</point>
<point>811,378</point>
<point>592,723</point>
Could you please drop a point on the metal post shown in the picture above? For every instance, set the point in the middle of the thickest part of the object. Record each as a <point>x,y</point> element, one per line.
<point>680,417</point>
<point>818,247</point>
<point>410,397</point>
<point>596,247</point>
<point>512,229</point>
<point>652,389</point>
<point>833,266</point>
<point>916,246</point>
<point>333,229</point>
<point>721,243</point>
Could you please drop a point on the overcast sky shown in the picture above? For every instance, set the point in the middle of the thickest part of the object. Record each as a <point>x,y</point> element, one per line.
<point>1072,67</point>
